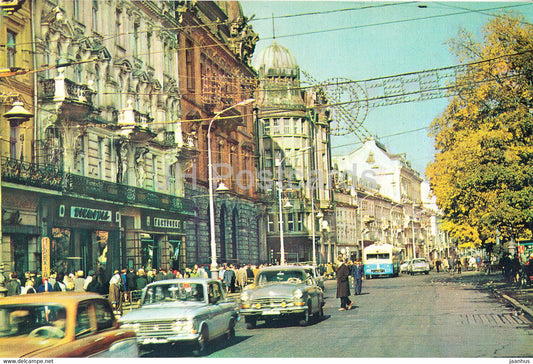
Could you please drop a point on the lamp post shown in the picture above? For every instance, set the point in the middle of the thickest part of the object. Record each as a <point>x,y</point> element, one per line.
<point>214,266</point>
<point>17,115</point>
<point>361,220</point>
<point>280,189</point>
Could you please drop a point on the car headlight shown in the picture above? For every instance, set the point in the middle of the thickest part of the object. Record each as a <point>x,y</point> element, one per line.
<point>130,325</point>
<point>183,325</point>
<point>298,293</point>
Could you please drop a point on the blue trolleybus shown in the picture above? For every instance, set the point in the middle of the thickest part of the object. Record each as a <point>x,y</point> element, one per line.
<point>381,260</point>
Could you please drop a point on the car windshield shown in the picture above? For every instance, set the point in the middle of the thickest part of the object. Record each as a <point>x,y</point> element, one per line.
<point>174,292</point>
<point>419,261</point>
<point>45,320</point>
<point>277,276</point>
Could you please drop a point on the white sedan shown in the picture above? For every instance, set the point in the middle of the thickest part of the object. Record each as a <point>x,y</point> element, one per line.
<point>404,267</point>
<point>418,265</point>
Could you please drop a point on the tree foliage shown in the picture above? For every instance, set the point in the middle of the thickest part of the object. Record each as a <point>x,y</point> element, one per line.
<point>482,174</point>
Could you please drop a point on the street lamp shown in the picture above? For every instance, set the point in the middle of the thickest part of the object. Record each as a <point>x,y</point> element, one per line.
<point>214,269</point>
<point>280,189</point>
<point>17,115</point>
<point>361,219</point>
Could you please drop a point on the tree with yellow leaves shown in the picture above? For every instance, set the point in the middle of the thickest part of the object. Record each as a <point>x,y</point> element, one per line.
<point>482,174</point>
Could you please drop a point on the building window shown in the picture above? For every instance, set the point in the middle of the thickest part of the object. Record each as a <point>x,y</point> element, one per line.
<point>300,226</point>
<point>276,126</point>
<point>189,65</point>
<point>11,48</point>
<point>270,225</point>
<point>290,221</point>
<point>287,123</point>
<point>95,16</point>
<point>296,127</point>
<point>149,47</point>
<point>266,126</point>
<point>135,40</point>
<point>76,9</point>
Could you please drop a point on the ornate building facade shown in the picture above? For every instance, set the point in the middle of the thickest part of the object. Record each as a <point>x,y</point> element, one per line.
<point>293,141</point>
<point>216,45</point>
<point>101,183</point>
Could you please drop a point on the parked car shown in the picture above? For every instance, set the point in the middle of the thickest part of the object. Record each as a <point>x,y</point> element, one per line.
<point>282,291</point>
<point>62,324</point>
<point>418,265</point>
<point>404,266</point>
<point>189,311</point>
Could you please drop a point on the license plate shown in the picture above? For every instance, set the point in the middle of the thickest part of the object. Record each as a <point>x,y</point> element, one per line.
<point>154,340</point>
<point>271,312</point>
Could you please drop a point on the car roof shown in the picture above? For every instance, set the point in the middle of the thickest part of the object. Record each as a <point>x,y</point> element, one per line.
<point>184,280</point>
<point>45,297</point>
<point>283,267</point>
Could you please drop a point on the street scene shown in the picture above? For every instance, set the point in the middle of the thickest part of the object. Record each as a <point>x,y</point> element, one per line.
<point>266,179</point>
<point>440,315</point>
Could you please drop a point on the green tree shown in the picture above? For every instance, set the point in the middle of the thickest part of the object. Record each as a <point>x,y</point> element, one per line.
<point>482,174</point>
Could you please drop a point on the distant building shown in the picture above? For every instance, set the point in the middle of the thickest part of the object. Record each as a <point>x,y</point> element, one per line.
<point>390,205</point>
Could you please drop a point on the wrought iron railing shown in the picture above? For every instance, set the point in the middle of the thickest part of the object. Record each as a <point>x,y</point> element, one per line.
<point>51,177</point>
<point>32,174</point>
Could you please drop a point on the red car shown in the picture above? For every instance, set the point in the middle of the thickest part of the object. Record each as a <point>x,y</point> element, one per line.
<point>62,324</point>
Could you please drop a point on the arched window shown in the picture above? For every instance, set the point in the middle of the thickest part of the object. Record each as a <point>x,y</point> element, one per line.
<point>234,232</point>
<point>222,239</point>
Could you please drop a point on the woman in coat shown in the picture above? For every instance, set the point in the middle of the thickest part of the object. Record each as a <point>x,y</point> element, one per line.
<point>343,285</point>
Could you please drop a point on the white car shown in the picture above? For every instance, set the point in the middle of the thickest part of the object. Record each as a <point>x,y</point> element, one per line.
<point>404,267</point>
<point>187,311</point>
<point>418,265</point>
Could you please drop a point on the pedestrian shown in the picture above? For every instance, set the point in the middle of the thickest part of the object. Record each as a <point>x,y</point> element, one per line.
<point>343,285</point>
<point>60,286</point>
<point>458,265</point>
<point>95,285</point>
<point>229,279</point>
<point>131,280</point>
<point>357,273</point>
<point>79,281</point>
<point>445,266</point>
<point>115,292</point>
<point>240,277</point>
<point>45,286</point>
<point>438,263</point>
<point>88,280</point>
<point>28,287</point>
<point>13,286</point>
<point>142,279</point>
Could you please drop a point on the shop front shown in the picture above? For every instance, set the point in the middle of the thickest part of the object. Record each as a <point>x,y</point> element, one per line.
<point>84,235</point>
<point>161,241</point>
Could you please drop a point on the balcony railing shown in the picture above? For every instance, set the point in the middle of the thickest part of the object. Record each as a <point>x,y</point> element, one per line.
<point>61,89</point>
<point>53,178</point>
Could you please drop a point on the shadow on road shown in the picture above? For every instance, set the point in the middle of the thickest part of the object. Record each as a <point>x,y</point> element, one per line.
<point>185,351</point>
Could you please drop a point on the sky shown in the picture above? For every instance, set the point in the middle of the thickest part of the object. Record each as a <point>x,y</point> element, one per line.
<point>365,40</point>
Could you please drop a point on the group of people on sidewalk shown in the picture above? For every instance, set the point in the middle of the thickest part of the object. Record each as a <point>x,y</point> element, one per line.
<point>345,270</point>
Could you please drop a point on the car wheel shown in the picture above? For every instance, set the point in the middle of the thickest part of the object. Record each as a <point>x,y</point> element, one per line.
<point>250,322</point>
<point>319,314</point>
<point>427,272</point>
<point>307,316</point>
<point>202,343</point>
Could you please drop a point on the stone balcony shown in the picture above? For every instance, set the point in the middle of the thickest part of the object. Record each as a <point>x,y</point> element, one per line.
<point>73,100</point>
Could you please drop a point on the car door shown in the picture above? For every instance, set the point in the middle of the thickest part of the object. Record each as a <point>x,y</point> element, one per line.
<point>216,307</point>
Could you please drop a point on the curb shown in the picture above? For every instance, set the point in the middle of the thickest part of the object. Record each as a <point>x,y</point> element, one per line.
<point>514,302</point>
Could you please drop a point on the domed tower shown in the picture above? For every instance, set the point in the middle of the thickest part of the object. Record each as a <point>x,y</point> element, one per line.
<point>293,146</point>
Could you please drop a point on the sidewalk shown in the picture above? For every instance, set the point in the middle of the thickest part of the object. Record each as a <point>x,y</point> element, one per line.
<point>521,299</point>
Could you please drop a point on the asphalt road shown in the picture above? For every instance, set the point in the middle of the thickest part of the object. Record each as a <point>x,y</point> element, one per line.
<point>419,316</point>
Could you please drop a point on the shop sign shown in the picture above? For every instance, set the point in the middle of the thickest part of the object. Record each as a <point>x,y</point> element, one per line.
<point>45,256</point>
<point>168,223</point>
<point>85,213</point>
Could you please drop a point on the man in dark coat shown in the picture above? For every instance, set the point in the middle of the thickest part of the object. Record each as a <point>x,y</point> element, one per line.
<point>343,285</point>
<point>357,274</point>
